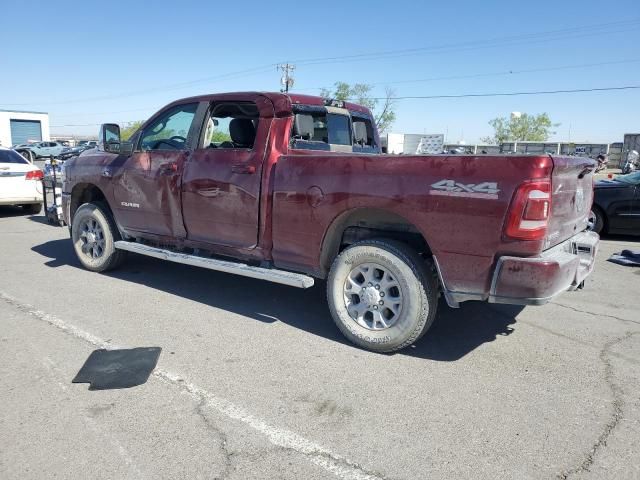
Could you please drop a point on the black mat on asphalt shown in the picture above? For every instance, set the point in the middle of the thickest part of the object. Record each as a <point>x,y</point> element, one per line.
<point>111,369</point>
<point>626,257</point>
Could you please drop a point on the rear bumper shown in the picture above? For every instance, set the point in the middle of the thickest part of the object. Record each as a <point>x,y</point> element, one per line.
<point>537,280</point>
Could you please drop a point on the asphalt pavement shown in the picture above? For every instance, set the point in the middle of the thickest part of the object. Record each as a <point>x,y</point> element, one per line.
<point>255,381</point>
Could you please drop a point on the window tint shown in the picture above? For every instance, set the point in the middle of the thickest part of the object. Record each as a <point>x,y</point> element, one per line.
<point>339,129</point>
<point>9,156</point>
<point>170,130</point>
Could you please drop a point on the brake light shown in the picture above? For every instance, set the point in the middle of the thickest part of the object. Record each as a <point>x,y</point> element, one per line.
<point>35,175</point>
<point>529,212</point>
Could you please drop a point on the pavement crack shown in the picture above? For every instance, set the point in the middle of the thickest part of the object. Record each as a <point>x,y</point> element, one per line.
<point>617,413</point>
<point>626,320</point>
<point>222,436</point>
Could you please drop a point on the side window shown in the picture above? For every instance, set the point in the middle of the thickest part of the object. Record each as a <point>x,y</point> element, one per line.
<point>170,130</point>
<point>231,125</point>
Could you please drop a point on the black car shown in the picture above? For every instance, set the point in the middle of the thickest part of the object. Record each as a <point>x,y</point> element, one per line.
<point>616,205</point>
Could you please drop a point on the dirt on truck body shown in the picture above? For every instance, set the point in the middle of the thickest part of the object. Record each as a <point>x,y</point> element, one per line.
<point>288,188</point>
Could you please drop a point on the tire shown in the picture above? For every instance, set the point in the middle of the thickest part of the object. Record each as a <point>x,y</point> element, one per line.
<point>32,208</point>
<point>28,156</point>
<point>597,220</point>
<point>94,235</point>
<point>404,278</point>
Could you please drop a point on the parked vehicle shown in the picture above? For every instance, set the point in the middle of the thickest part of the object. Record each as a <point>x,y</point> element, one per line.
<point>46,149</point>
<point>632,163</point>
<point>25,151</point>
<point>74,151</point>
<point>616,205</point>
<point>20,182</point>
<point>288,188</point>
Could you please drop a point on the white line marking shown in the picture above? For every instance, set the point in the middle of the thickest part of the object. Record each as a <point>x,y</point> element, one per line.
<point>315,453</point>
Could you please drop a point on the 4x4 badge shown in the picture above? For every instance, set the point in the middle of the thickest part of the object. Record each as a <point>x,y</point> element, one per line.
<point>456,189</point>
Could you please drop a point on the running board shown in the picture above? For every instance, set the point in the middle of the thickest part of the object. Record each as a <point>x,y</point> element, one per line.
<point>277,276</point>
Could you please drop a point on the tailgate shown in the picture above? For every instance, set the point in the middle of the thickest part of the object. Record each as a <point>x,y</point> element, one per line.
<point>571,198</point>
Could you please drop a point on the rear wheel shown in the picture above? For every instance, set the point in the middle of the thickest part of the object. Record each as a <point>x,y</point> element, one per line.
<point>94,235</point>
<point>596,220</point>
<point>32,208</point>
<point>382,295</point>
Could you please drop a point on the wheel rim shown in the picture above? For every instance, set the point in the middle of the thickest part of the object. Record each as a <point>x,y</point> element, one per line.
<point>373,296</point>
<point>92,238</point>
<point>591,222</point>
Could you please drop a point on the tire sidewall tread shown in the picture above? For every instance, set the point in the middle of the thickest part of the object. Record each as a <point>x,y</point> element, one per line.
<point>111,257</point>
<point>418,284</point>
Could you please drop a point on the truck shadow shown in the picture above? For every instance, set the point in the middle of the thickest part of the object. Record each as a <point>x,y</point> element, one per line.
<point>455,333</point>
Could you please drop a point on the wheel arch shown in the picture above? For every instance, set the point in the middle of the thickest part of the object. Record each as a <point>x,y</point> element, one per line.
<point>366,223</point>
<point>86,193</point>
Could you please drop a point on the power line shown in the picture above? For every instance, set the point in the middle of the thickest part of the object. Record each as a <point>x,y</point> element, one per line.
<point>226,76</point>
<point>510,94</point>
<point>494,74</point>
<point>464,95</point>
<point>567,33</point>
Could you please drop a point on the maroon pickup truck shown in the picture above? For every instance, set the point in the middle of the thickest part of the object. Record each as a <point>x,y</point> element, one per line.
<point>288,188</point>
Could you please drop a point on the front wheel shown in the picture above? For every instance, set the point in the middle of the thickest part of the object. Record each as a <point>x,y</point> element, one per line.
<point>94,235</point>
<point>382,295</point>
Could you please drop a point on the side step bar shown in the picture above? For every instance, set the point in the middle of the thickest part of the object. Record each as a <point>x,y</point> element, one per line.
<point>277,276</point>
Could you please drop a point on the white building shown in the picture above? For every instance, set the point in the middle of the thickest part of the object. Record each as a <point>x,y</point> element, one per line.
<point>413,143</point>
<point>23,127</point>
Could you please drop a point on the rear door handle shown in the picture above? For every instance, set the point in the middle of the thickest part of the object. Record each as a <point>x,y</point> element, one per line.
<point>240,168</point>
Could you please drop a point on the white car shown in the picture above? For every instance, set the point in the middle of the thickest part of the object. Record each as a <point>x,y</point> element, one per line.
<point>20,182</point>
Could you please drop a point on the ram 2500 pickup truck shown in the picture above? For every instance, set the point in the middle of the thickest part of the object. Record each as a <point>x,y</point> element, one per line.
<point>292,188</point>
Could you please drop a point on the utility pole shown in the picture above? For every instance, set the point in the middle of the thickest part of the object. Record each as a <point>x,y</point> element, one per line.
<point>286,80</point>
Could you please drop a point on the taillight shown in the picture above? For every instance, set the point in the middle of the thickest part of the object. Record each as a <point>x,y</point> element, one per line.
<point>529,211</point>
<point>35,175</point>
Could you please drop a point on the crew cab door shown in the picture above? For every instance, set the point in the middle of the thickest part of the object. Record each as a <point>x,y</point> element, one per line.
<point>147,186</point>
<point>221,181</point>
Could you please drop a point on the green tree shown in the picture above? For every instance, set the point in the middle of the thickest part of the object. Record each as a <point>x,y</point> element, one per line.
<point>360,93</point>
<point>532,128</point>
<point>129,129</point>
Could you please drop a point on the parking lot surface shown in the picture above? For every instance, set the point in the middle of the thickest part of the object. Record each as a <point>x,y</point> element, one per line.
<point>255,381</point>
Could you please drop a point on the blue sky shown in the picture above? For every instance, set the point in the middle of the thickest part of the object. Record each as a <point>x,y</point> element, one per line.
<point>92,62</point>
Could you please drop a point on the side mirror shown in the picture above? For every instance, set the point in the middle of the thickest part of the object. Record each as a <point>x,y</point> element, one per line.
<point>110,137</point>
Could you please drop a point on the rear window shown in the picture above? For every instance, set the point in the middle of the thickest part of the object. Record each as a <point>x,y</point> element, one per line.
<point>9,156</point>
<point>328,129</point>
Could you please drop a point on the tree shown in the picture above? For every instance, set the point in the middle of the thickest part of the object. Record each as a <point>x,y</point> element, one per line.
<point>360,93</point>
<point>525,127</point>
<point>129,129</point>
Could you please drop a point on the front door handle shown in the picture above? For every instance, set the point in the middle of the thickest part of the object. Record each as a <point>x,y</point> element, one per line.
<point>240,168</point>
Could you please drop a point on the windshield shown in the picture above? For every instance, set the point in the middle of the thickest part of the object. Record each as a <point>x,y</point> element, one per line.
<point>631,178</point>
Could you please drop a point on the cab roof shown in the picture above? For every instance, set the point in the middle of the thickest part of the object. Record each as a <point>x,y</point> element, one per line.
<point>283,102</point>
